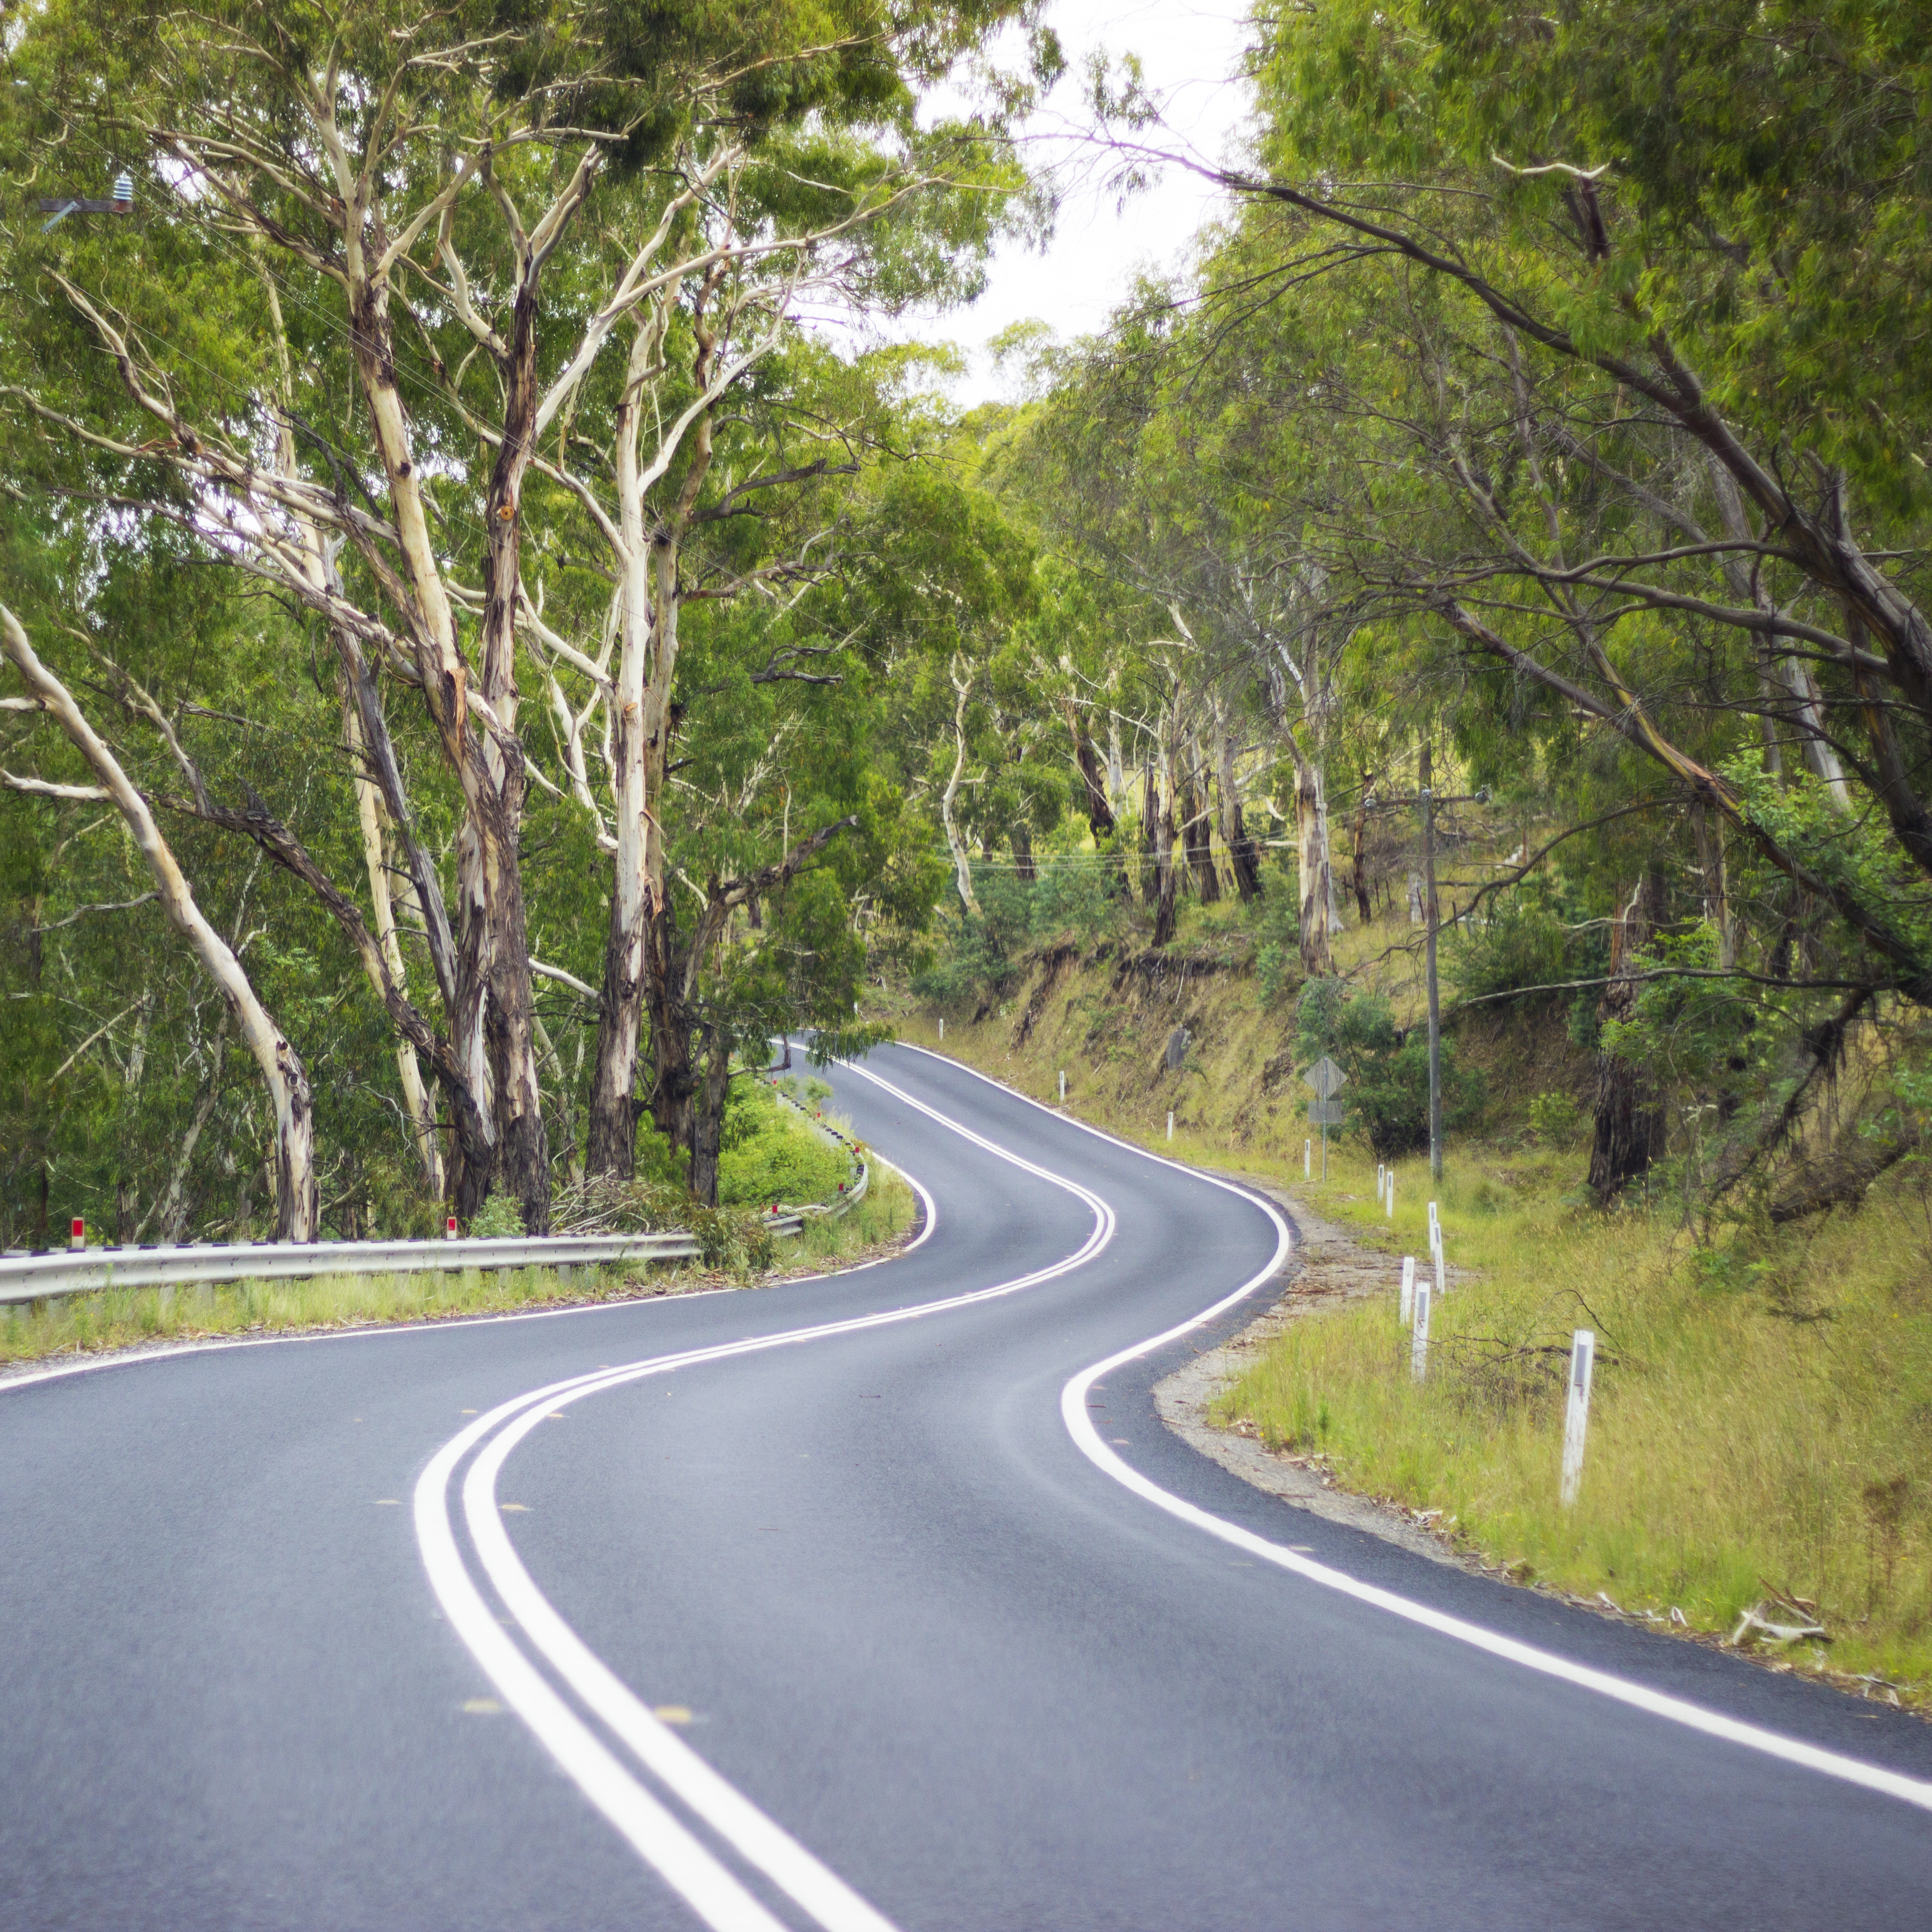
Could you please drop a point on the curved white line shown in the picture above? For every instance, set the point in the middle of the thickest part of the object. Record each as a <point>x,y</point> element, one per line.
<point>658,1838</point>
<point>375,1331</point>
<point>1676,1710</point>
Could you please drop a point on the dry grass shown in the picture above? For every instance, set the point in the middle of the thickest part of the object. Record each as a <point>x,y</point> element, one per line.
<point>1762,1415</point>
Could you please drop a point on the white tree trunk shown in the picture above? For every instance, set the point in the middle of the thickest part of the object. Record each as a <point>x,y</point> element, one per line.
<point>962,872</point>
<point>282,1070</point>
<point>371,815</point>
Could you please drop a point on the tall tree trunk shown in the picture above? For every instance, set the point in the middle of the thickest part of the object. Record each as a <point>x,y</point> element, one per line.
<point>1161,815</point>
<point>1363,907</point>
<point>1315,884</point>
<point>282,1070</point>
<point>417,1103</point>
<point>1093,776</point>
<point>1196,841</point>
<point>1708,832</point>
<point>1022,841</point>
<point>708,1121</point>
<point>1243,854</point>
<point>1629,1123</point>
<point>962,871</point>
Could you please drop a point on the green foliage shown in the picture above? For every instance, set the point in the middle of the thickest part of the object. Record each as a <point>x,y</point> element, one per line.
<point>1387,1093</point>
<point>1555,1117</point>
<point>499,1219</point>
<point>770,1154</point>
<point>1520,943</point>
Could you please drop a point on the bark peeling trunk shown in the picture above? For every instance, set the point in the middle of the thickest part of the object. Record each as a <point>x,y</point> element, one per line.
<point>283,1074</point>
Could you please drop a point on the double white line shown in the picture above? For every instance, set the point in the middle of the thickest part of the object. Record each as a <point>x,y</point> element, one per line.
<point>575,1734</point>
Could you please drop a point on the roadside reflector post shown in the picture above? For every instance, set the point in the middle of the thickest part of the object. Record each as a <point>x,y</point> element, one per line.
<point>1408,1288</point>
<point>1434,1225</point>
<point>1391,1194</point>
<point>1062,1086</point>
<point>449,1229</point>
<point>942,1026</point>
<point>78,1239</point>
<point>1418,1345</point>
<point>1441,1285</point>
<point>1582,1366</point>
<point>1308,1160</point>
<point>1381,1180</point>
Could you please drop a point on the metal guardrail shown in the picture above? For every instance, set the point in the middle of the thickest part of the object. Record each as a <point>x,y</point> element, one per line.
<point>39,1277</point>
<point>90,1270</point>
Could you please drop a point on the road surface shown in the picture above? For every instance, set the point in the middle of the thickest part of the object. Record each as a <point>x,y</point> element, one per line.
<point>855,1603</point>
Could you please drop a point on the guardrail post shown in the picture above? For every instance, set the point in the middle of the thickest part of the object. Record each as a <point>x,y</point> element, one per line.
<point>78,1238</point>
<point>1576,1421</point>
<point>1418,1345</point>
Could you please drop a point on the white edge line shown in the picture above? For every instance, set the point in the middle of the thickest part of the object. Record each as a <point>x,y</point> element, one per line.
<point>1660,1704</point>
<point>137,1357</point>
<point>756,1838</point>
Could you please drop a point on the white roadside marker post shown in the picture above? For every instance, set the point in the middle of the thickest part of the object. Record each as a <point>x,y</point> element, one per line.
<point>1582,1363</point>
<point>1391,1194</point>
<point>1170,1123</point>
<point>1408,1288</point>
<point>1381,1182</point>
<point>78,1239</point>
<point>1435,1226</point>
<point>942,1026</point>
<point>1308,1160</point>
<point>1062,1086</point>
<point>1418,1346</point>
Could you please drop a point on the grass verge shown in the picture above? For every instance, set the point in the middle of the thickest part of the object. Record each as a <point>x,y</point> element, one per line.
<point>1761,1423</point>
<point>124,1318</point>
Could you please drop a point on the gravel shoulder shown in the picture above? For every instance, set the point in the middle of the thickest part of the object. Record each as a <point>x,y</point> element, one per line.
<point>1329,1269</point>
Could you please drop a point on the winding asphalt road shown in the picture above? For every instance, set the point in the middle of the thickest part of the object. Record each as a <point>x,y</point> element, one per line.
<point>939,1631</point>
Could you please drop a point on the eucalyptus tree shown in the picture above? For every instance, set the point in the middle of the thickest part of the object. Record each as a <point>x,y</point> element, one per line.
<point>1641,223</point>
<point>475,216</point>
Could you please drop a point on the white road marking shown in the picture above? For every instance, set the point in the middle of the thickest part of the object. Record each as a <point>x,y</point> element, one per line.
<point>657,1837</point>
<point>1676,1710</point>
<point>389,1331</point>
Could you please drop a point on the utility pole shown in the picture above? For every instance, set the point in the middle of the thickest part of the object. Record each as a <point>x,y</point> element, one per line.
<point>1427,800</point>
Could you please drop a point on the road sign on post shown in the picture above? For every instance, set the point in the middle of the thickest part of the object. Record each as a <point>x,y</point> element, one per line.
<point>1328,1080</point>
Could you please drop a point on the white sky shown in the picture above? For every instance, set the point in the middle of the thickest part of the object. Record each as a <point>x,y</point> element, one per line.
<point>1191,57</point>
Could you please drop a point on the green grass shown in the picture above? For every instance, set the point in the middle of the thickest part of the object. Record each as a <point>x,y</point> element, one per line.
<point>83,1323</point>
<point>1756,1424</point>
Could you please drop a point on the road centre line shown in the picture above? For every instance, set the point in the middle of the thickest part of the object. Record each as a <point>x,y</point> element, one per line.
<point>657,1836</point>
<point>1909,1790</point>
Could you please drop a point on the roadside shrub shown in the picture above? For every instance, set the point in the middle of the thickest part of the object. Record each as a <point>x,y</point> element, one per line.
<point>1387,1093</point>
<point>1556,1118</point>
<point>1277,918</point>
<point>499,1219</point>
<point>767,1153</point>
